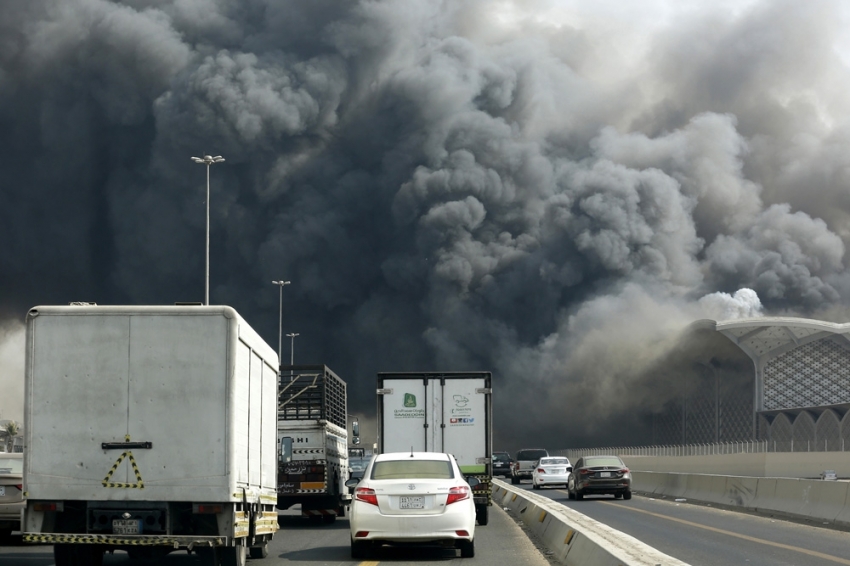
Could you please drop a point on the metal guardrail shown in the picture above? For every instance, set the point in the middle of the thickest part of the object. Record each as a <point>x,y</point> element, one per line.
<point>741,447</point>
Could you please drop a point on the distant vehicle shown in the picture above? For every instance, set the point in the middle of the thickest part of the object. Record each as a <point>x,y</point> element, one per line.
<point>554,470</point>
<point>413,498</point>
<point>828,475</point>
<point>524,463</point>
<point>502,464</point>
<point>449,412</point>
<point>313,434</point>
<point>357,467</point>
<point>11,493</point>
<point>600,475</point>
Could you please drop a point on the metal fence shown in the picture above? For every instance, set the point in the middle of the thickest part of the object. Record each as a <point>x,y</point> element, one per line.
<point>742,447</point>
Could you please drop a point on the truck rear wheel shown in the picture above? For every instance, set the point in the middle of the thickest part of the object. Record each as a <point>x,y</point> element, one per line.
<point>261,551</point>
<point>77,555</point>
<point>233,555</point>
<point>482,513</point>
<point>328,519</point>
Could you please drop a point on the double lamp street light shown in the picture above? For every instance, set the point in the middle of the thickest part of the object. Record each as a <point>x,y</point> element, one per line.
<point>208,160</point>
<point>211,160</point>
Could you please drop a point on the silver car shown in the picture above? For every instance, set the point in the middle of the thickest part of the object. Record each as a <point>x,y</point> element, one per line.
<point>11,492</point>
<point>554,470</point>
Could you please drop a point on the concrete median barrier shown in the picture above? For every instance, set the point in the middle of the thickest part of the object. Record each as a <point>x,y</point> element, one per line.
<point>575,539</point>
<point>800,498</point>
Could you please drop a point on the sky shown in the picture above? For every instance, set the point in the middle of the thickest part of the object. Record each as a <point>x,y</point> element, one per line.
<point>549,190</point>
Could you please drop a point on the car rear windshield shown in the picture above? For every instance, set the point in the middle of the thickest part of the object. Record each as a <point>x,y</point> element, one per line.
<point>11,465</point>
<point>603,461</point>
<point>501,457</point>
<point>531,454</point>
<point>554,461</point>
<point>412,469</point>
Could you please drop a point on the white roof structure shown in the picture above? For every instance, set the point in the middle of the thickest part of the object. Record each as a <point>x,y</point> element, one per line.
<point>799,362</point>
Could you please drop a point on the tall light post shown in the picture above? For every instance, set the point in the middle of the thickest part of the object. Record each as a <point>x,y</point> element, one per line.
<point>208,160</point>
<point>280,321</point>
<point>292,335</point>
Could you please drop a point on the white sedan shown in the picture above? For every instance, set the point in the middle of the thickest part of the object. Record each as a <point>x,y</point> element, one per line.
<point>412,498</point>
<point>554,470</point>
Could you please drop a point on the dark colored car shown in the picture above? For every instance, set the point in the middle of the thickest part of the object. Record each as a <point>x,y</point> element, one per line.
<point>502,464</point>
<point>600,475</point>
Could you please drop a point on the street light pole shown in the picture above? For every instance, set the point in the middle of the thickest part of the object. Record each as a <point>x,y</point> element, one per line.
<point>280,321</point>
<point>292,335</point>
<point>208,160</point>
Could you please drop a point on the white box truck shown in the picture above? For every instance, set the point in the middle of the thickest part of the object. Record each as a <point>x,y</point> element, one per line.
<point>149,429</point>
<point>313,436</point>
<point>441,412</point>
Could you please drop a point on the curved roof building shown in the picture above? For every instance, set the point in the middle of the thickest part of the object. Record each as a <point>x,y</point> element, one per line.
<point>801,396</point>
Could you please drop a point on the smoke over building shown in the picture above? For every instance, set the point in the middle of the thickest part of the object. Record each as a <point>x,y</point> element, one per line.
<point>528,188</point>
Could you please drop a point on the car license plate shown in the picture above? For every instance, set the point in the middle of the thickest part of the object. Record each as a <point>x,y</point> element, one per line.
<point>411,502</point>
<point>2,491</point>
<point>126,527</point>
<point>604,474</point>
<point>559,471</point>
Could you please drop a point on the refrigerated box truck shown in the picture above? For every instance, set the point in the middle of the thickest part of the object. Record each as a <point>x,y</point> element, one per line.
<point>441,412</point>
<point>149,429</point>
<point>313,436</point>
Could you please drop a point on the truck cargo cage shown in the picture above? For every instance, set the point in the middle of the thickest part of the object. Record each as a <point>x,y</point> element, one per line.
<point>311,392</point>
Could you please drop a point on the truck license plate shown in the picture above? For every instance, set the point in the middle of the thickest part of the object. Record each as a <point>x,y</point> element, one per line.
<point>604,474</point>
<point>126,527</point>
<point>411,503</point>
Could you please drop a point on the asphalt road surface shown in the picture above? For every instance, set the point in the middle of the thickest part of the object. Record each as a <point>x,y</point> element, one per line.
<point>706,536</point>
<point>303,543</point>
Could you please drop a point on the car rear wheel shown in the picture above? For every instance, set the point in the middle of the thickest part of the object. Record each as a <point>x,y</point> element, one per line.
<point>618,495</point>
<point>467,548</point>
<point>627,495</point>
<point>359,549</point>
<point>534,485</point>
<point>579,495</point>
<point>514,480</point>
<point>570,494</point>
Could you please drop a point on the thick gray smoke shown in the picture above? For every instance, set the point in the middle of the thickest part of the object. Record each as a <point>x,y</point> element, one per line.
<point>532,188</point>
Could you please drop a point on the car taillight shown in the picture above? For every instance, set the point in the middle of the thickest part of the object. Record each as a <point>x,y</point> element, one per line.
<point>585,472</point>
<point>541,471</point>
<point>366,495</point>
<point>624,471</point>
<point>458,493</point>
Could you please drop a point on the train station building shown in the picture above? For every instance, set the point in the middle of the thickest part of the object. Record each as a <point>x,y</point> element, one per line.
<point>793,392</point>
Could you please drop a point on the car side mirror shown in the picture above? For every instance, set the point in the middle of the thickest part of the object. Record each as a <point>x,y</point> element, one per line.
<point>473,482</point>
<point>352,482</point>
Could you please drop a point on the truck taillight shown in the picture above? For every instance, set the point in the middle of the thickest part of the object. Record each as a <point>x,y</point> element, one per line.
<point>20,486</point>
<point>366,495</point>
<point>206,508</point>
<point>49,506</point>
<point>458,493</point>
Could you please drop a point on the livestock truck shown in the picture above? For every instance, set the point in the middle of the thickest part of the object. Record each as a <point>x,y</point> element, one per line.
<point>313,435</point>
<point>149,429</point>
<point>441,412</point>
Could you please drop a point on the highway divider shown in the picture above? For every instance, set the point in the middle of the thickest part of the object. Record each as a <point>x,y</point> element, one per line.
<point>575,539</point>
<point>827,501</point>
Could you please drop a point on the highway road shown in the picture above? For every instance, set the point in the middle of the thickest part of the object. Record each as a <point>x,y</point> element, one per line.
<point>303,543</point>
<point>706,536</point>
